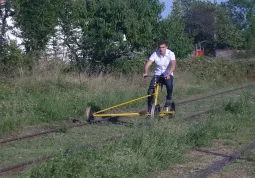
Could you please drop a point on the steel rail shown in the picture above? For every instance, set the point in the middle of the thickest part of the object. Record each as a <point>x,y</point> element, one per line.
<point>215,94</point>
<point>200,113</point>
<point>219,165</point>
<point>22,165</point>
<point>44,132</point>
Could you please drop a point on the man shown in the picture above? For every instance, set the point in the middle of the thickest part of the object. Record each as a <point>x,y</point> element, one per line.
<point>165,66</point>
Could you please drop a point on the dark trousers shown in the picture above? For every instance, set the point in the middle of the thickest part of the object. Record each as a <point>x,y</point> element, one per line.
<point>169,87</point>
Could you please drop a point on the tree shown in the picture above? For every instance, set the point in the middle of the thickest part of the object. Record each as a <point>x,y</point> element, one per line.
<point>209,24</point>
<point>228,34</point>
<point>37,20</point>
<point>96,32</point>
<point>99,32</point>
<point>173,30</point>
<point>242,13</point>
<point>5,13</point>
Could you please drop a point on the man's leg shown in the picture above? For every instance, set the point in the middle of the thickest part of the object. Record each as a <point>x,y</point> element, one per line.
<point>169,88</point>
<point>151,91</point>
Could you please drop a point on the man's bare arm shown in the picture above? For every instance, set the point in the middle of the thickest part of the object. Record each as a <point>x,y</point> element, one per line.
<point>146,67</point>
<point>173,66</point>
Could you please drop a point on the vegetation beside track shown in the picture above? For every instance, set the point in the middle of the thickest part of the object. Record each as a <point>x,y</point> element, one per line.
<point>157,145</point>
<point>43,99</point>
<point>50,96</point>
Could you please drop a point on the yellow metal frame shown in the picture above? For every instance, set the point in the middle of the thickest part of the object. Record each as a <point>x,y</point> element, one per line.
<point>155,94</point>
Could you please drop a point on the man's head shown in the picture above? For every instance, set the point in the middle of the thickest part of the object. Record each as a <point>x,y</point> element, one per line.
<point>162,47</point>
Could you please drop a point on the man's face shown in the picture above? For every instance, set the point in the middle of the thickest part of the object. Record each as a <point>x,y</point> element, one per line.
<point>162,49</point>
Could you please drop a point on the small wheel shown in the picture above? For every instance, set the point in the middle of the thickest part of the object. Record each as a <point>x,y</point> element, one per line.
<point>155,110</point>
<point>89,114</point>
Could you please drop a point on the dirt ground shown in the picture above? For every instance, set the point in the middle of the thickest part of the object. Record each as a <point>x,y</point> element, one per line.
<point>200,159</point>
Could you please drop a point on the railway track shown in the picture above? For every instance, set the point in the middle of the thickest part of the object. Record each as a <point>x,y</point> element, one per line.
<point>209,170</point>
<point>21,166</point>
<point>215,94</point>
<point>52,131</point>
<point>227,160</point>
<point>44,132</point>
<point>215,167</point>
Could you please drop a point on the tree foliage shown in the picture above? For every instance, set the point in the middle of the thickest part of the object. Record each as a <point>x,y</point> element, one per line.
<point>242,13</point>
<point>95,30</point>
<point>97,33</point>
<point>36,20</point>
<point>5,13</point>
<point>173,30</point>
<point>208,23</point>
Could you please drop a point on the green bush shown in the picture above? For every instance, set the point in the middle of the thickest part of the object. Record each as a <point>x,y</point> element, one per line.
<point>128,66</point>
<point>14,60</point>
<point>217,70</point>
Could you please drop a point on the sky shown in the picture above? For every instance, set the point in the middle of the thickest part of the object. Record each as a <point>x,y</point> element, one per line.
<point>169,3</point>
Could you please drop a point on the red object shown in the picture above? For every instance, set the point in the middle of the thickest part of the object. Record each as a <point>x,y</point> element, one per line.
<point>199,52</point>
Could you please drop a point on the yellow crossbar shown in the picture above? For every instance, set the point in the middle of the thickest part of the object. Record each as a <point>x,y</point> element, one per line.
<point>131,114</point>
<point>156,94</point>
<point>122,104</point>
<point>121,115</point>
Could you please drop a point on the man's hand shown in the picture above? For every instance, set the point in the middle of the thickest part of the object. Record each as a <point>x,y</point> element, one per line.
<point>145,75</point>
<point>168,77</point>
<point>146,68</point>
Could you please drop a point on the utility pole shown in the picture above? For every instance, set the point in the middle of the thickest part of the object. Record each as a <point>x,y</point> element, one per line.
<point>215,35</point>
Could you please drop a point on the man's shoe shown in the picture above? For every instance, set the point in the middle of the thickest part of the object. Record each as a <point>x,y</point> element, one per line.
<point>168,103</point>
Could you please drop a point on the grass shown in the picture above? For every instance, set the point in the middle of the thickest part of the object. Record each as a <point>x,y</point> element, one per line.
<point>155,146</point>
<point>47,99</point>
<point>44,99</point>
<point>54,143</point>
<point>32,101</point>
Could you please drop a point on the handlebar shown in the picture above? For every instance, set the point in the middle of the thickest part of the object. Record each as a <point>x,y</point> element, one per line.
<point>160,79</point>
<point>158,76</point>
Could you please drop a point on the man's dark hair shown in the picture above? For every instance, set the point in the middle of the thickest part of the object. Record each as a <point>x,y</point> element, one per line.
<point>163,42</point>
